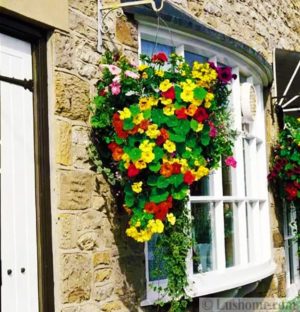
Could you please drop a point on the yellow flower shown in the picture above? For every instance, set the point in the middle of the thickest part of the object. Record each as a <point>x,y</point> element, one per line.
<point>126,159</point>
<point>155,226</point>
<point>169,110</point>
<point>153,101</point>
<point>166,101</point>
<point>147,156</point>
<point>191,110</point>
<point>170,146</point>
<point>144,75</point>
<point>171,218</point>
<point>201,172</point>
<point>165,85</point>
<point>159,73</point>
<point>146,146</point>
<point>137,187</point>
<point>125,113</point>
<point>153,131</point>
<point>144,103</point>
<point>138,119</point>
<point>142,67</point>
<point>187,95</point>
<point>140,164</point>
<point>200,127</point>
<point>197,102</point>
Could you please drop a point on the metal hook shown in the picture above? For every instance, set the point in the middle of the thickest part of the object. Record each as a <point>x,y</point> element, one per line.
<point>153,4</point>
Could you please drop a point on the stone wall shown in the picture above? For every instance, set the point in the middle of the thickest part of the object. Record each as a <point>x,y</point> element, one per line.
<point>96,267</point>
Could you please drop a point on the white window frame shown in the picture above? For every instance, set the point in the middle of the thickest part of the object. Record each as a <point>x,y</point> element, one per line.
<point>260,263</point>
<point>292,287</point>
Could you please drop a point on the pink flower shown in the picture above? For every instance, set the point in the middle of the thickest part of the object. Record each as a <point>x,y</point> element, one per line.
<point>131,74</point>
<point>115,88</point>
<point>115,70</point>
<point>230,161</point>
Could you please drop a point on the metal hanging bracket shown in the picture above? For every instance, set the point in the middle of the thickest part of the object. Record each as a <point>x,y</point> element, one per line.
<point>105,10</point>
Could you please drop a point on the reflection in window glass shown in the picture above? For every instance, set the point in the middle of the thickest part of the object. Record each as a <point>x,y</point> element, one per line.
<point>201,187</point>
<point>229,234</point>
<point>190,58</point>
<point>155,262</point>
<point>150,48</point>
<point>203,242</point>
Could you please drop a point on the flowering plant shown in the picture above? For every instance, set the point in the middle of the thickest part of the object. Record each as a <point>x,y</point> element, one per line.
<point>285,164</point>
<point>166,125</point>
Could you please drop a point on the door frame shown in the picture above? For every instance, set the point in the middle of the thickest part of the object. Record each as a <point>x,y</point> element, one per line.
<point>37,37</point>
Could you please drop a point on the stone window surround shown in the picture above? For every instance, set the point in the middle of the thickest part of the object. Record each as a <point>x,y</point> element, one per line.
<point>244,273</point>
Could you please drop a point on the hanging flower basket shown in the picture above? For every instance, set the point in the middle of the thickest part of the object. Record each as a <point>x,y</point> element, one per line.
<point>159,128</point>
<point>285,164</point>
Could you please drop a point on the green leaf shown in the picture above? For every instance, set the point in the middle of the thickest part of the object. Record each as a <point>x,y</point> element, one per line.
<point>176,179</point>
<point>158,116</point>
<point>147,114</point>
<point>177,137</point>
<point>129,200</point>
<point>180,193</point>
<point>194,124</point>
<point>119,140</point>
<point>158,152</point>
<point>135,154</point>
<point>152,180</point>
<point>200,93</point>
<point>154,167</point>
<point>177,93</point>
<point>205,138</point>
<point>162,182</point>
<point>134,109</point>
<point>183,127</point>
<point>128,124</point>
<point>158,198</point>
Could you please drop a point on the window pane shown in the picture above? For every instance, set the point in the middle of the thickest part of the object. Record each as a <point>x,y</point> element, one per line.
<point>203,241</point>
<point>192,57</point>
<point>155,261</point>
<point>149,48</point>
<point>201,187</point>
<point>291,261</point>
<point>229,234</point>
<point>226,179</point>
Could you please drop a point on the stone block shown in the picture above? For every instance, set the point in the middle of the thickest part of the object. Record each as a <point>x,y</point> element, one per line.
<point>63,143</point>
<point>88,8</point>
<point>76,277</point>
<point>72,96</point>
<point>80,135</point>
<point>75,189</point>
<point>277,238</point>
<point>90,307</point>
<point>90,220</point>
<point>98,202</point>
<point>67,230</point>
<point>103,292</point>
<point>87,241</point>
<point>80,157</point>
<point>63,50</point>
<point>102,258</point>
<point>112,306</point>
<point>70,309</point>
<point>124,32</point>
<point>102,275</point>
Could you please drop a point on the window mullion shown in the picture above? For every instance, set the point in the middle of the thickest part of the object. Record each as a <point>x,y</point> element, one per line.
<point>254,232</point>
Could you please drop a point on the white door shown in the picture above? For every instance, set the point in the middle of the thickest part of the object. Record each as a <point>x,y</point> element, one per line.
<point>19,291</point>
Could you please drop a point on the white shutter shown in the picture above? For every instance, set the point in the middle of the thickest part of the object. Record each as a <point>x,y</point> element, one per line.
<point>19,290</point>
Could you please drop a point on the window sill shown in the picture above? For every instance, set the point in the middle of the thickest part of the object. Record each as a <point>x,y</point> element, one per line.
<point>213,282</point>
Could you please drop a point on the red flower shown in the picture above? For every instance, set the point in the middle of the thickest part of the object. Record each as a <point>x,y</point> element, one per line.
<point>102,92</point>
<point>150,207</point>
<point>162,210</point>
<point>181,113</point>
<point>201,114</point>
<point>166,170</point>
<point>163,137</point>
<point>132,171</point>
<point>117,153</point>
<point>112,146</point>
<point>176,168</point>
<point>118,125</point>
<point>169,94</point>
<point>291,191</point>
<point>144,124</point>
<point>188,178</point>
<point>159,57</point>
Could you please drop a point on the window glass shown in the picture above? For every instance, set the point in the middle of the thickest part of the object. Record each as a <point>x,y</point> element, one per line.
<point>190,58</point>
<point>229,234</point>
<point>202,187</point>
<point>155,262</point>
<point>150,48</point>
<point>203,241</point>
